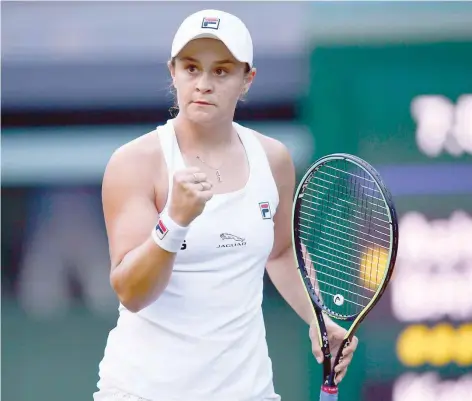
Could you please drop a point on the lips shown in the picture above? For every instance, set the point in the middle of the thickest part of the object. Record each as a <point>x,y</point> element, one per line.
<point>203,103</point>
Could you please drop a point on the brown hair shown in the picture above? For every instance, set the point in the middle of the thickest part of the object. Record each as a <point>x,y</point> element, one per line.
<point>174,109</point>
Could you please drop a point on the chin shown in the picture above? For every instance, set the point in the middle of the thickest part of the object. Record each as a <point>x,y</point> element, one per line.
<point>203,116</point>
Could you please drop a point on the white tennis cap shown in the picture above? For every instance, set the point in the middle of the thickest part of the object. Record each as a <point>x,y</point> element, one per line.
<point>217,25</point>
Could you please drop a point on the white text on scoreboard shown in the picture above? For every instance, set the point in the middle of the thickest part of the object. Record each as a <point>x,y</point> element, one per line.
<point>433,273</point>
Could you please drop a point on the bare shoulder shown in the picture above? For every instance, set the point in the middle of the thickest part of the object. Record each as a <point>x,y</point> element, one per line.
<point>276,150</point>
<point>135,162</point>
<point>144,148</point>
<point>135,170</point>
<point>280,159</point>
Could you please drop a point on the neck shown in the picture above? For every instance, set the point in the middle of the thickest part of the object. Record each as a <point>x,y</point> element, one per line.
<point>211,137</point>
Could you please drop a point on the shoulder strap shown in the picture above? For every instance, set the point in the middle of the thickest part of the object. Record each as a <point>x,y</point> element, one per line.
<point>171,152</point>
<point>258,160</point>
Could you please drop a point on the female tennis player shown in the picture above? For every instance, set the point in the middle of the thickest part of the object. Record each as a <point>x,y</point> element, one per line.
<point>195,211</point>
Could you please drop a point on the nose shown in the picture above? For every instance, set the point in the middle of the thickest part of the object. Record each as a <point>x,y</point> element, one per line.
<point>204,84</point>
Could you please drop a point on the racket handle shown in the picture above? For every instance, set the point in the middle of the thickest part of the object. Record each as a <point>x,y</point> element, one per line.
<point>329,393</point>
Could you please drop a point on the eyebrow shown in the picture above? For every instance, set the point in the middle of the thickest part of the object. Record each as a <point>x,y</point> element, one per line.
<point>228,61</point>
<point>191,59</point>
<point>188,59</point>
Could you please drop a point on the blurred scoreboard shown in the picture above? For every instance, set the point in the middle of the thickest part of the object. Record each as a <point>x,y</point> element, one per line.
<point>407,109</point>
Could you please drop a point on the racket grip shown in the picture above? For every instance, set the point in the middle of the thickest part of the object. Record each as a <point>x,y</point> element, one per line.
<point>329,393</point>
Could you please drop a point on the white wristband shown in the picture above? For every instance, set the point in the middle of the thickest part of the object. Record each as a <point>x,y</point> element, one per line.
<point>168,234</point>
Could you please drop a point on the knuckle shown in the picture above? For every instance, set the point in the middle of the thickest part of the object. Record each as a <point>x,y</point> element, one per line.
<point>179,178</point>
<point>185,185</point>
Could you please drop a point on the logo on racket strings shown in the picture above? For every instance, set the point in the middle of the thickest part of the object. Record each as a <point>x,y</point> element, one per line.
<point>338,299</point>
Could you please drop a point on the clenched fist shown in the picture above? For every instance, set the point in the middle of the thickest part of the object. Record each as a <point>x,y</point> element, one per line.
<point>190,192</point>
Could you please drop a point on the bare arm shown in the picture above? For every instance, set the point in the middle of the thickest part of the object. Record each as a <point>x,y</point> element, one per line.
<point>140,270</point>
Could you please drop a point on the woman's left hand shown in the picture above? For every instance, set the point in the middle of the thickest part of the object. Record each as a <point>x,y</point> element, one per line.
<point>336,335</point>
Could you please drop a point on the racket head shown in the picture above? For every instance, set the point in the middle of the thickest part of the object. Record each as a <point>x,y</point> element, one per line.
<point>345,235</point>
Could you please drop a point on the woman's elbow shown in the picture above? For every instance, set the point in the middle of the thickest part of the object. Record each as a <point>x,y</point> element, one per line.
<point>126,295</point>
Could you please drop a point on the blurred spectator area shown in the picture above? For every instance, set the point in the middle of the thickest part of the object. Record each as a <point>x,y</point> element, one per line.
<point>103,62</point>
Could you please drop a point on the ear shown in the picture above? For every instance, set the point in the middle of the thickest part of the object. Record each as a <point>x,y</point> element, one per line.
<point>248,80</point>
<point>171,68</point>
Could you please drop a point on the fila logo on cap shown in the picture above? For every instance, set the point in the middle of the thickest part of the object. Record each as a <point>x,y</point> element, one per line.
<point>161,230</point>
<point>265,210</point>
<point>210,22</point>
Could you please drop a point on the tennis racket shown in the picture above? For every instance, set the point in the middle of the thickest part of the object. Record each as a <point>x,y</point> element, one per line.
<point>345,239</point>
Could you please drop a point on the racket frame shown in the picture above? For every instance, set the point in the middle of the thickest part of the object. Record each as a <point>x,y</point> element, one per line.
<point>318,308</point>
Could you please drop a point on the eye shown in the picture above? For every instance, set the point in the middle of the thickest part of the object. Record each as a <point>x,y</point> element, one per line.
<point>191,68</point>
<point>220,72</point>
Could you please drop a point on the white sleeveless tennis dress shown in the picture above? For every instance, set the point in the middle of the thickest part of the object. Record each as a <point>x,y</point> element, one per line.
<point>204,338</point>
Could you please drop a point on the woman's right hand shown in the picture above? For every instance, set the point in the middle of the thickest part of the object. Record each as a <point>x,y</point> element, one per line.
<point>190,193</point>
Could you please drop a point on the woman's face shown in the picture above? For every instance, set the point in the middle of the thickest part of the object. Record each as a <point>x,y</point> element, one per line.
<point>209,81</point>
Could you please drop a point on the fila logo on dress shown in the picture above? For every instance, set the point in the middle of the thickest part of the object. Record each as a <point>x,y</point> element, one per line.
<point>266,213</point>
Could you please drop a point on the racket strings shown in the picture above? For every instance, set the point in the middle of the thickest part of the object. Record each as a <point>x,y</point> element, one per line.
<point>342,266</point>
<point>361,217</point>
<point>355,222</point>
<point>336,244</point>
<point>386,242</point>
<point>374,203</point>
<point>344,228</point>
<point>355,207</point>
<point>347,300</point>
<point>369,203</point>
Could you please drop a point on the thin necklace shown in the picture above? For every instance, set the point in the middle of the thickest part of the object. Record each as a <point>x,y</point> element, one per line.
<point>217,170</point>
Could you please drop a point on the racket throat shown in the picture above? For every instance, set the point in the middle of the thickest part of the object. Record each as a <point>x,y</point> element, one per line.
<point>328,377</point>
<point>325,349</point>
